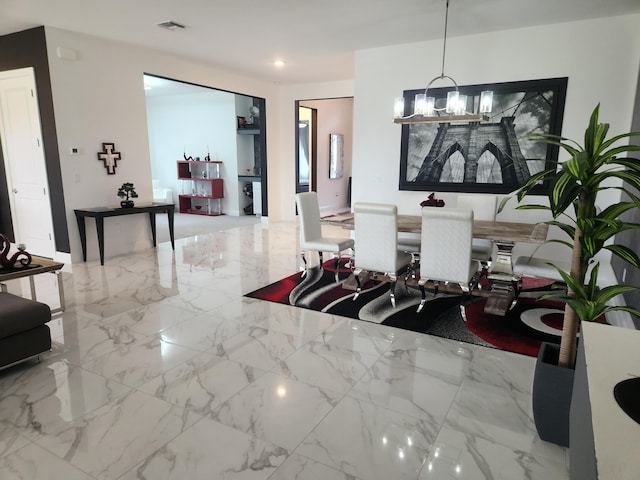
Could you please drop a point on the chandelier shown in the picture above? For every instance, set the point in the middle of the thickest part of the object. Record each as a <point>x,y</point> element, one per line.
<point>424,106</point>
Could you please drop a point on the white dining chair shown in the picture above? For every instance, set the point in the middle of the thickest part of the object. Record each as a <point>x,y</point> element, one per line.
<point>484,208</point>
<point>376,235</point>
<point>445,254</point>
<point>311,238</point>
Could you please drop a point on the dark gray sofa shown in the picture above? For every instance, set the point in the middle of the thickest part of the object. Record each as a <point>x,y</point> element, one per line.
<point>23,330</point>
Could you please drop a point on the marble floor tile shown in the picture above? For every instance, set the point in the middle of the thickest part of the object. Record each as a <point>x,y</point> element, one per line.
<point>140,362</point>
<point>325,366</point>
<point>10,440</point>
<point>41,406</point>
<point>359,336</point>
<point>113,439</point>
<point>210,450</point>
<point>204,332</point>
<point>87,340</point>
<point>249,311</point>
<point>297,467</point>
<point>300,322</point>
<point>34,462</point>
<point>276,409</point>
<point>259,347</point>
<point>202,383</point>
<point>150,319</point>
<point>369,442</point>
<point>201,300</point>
<point>457,455</point>
<point>410,390</point>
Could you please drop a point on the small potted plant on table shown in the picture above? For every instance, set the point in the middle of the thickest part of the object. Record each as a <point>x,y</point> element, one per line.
<point>125,191</point>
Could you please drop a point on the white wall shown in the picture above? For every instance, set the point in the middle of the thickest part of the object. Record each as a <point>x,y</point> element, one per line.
<point>100,98</point>
<point>600,57</point>
<point>193,123</point>
<point>334,116</point>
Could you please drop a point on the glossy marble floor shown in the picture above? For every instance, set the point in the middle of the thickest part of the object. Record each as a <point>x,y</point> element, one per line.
<point>161,369</point>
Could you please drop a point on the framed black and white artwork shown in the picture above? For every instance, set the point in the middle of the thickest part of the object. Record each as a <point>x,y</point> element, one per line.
<point>496,156</point>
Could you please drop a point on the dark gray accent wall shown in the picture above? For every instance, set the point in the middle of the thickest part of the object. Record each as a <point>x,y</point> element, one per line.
<point>29,49</point>
<point>631,238</point>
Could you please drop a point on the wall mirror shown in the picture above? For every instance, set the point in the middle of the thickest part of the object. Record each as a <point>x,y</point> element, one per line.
<point>336,155</point>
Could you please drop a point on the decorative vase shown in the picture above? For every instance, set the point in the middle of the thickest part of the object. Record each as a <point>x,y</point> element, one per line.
<point>551,396</point>
<point>126,204</point>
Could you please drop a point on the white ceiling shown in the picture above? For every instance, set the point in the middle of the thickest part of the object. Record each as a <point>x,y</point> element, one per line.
<point>316,38</point>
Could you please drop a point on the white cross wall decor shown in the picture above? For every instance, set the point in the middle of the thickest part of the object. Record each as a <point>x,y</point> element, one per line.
<point>109,157</point>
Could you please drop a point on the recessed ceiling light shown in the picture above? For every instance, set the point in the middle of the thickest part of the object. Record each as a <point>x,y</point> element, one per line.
<point>278,63</point>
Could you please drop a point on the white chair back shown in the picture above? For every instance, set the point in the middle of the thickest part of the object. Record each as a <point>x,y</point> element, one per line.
<point>483,206</point>
<point>309,213</point>
<point>445,253</point>
<point>376,237</point>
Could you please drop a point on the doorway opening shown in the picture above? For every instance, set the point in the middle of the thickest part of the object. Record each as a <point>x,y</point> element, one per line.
<point>317,122</point>
<point>197,134</point>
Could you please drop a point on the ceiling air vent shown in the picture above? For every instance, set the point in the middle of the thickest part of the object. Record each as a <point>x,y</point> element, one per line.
<point>171,25</point>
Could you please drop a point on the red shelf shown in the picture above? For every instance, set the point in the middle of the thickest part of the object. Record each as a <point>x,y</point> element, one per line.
<point>214,187</point>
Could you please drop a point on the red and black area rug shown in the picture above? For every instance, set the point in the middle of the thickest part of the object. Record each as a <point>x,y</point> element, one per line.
<point>522,330</point>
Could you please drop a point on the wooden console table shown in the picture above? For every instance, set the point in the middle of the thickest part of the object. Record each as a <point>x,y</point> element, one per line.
<point>99,214</point>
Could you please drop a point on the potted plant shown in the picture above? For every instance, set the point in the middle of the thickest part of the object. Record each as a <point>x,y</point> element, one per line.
<point>125,191</point>
<point>573,190</point>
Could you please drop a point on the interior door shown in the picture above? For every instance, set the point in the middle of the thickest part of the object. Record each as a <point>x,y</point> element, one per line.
<point>306,153</point>
<point>23,153</point>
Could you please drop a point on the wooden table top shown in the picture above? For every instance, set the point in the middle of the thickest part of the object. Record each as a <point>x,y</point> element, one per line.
<point>505,232</point>
<point>46,265</point>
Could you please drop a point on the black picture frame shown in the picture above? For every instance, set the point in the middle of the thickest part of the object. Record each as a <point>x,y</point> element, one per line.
<point>435,157</point>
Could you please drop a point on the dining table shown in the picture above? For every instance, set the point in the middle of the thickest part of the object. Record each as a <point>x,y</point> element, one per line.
<point>505,235</point>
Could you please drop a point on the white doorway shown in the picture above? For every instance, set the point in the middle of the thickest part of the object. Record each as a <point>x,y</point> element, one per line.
<point>21,136</point>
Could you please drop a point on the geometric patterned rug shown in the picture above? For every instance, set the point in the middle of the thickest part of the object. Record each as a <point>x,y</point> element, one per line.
<point>521,330</point>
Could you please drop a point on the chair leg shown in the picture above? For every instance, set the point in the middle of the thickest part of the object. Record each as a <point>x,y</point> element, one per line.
<point>320,257</point>
<point>304,261</point>
<point>392,289</point>
<point>421,284</point>
<point>337,267</point>
<point>423,300</point>
<point>356,274</point>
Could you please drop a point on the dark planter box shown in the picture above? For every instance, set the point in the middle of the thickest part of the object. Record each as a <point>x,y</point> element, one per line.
<point>551,396</point>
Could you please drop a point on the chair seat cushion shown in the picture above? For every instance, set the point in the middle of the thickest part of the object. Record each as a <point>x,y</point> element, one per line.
<point>481,249</point>
<point>538,267</point>
<point>328,244</point>
<point>19,314</point>
<point>408,244</point>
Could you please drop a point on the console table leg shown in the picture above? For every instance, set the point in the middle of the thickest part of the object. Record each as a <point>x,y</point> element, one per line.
<point>83,236</point>
<point>100,231</point>
<point>152,221</point>
<point>170,218</point>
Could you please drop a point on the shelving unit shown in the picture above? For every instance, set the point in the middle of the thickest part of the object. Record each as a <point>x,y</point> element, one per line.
<point>203,185</point>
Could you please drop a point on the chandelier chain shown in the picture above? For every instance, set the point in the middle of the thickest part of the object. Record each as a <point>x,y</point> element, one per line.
<point>444,44</point>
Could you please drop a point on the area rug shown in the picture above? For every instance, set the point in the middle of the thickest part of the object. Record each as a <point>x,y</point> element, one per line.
<point>452,316</point>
